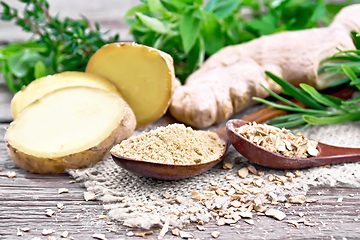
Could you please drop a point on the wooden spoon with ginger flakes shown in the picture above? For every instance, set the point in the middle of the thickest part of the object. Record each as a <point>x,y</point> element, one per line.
<point>176,172</point>
<point>327,154</point>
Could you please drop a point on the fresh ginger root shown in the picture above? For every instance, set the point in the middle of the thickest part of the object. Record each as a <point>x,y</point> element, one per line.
<point>227,81</point>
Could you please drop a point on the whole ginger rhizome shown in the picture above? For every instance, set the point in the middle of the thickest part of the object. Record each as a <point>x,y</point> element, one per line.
<point>173,144</point>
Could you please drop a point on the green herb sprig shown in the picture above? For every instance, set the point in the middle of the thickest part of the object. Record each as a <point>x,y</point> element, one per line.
<point>334,66</point>
<point>324,109</point>
<point>57,45</point>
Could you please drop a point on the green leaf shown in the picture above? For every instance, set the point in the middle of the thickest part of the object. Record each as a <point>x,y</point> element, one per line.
<point>350,73</point>
<point>355,116</point>
<point>295,92</point>
<point>178,6</point>
<point>289,108</point>
<point>16,47</point>
<point>286,118</point>
<point>17,65</point>
<point>355,82</point>
<point>320,98</point>
<point>142,8</point>
<point>265,26</point>
<point>211,33</point>
<point>189,28</point>
<point>39,70</point>
<point>319,12</point>
<point>223,8</point>
<point>10,83</point>
<point>152,23</point>
<point>338,82</point>
<point>156,7</point>
<point>196,55</point>
<point>289,124</point>
<point>278,97</point>
<point>211,5</point>
<point>198,2</point>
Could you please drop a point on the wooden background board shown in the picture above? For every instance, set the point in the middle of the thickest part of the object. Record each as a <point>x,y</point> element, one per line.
<point>24,198</point>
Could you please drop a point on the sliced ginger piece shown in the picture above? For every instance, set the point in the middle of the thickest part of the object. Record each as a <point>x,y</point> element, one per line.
<point>69,128</point>
<point>40,87</point>
<point>143,75</point>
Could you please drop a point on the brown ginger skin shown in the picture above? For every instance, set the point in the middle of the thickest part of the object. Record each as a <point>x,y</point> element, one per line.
<point>227,81</point>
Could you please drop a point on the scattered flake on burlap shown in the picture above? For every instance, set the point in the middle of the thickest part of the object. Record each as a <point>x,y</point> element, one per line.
<point>138,201</point>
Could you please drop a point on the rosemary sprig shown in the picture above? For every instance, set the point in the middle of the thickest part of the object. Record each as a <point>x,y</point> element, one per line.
<point>56,45</point>
<point>328,110</point>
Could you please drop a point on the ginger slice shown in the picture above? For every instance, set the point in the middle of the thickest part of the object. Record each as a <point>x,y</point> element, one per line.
<point>40,87</point>
<point>143,75</point>
<point>69,128</point>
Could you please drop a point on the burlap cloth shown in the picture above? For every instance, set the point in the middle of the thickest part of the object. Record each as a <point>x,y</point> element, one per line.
<point>136,201</point>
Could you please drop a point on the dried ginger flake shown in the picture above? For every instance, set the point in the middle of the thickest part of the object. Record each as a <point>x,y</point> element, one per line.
<point>280,141</point>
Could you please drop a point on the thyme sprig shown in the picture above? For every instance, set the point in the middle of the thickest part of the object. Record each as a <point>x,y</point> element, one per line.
<point>56,45</point>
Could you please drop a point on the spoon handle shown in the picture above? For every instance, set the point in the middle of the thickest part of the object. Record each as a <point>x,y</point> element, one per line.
<point>328,150</point>
<point>328,155</point>
<point>264,114</point>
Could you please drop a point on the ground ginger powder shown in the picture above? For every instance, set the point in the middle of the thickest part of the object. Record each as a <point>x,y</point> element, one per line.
<point>173,144</point>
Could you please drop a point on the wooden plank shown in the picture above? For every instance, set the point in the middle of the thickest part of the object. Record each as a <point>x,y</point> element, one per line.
<point>328,223</point>
<point>5,98</point>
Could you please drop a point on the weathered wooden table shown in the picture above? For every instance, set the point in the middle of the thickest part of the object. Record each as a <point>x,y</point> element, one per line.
<point>25,198</point>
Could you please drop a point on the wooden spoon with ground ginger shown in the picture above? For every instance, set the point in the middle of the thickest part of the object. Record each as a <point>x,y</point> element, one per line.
<point>170,171</point>
<point>171,153</point>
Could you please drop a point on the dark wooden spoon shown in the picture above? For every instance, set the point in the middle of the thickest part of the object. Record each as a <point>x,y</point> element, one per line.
<point>165,171</point>
<point>327,154</point>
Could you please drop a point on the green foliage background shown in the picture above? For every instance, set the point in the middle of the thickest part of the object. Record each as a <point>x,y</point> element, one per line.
<point>190,31</point>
